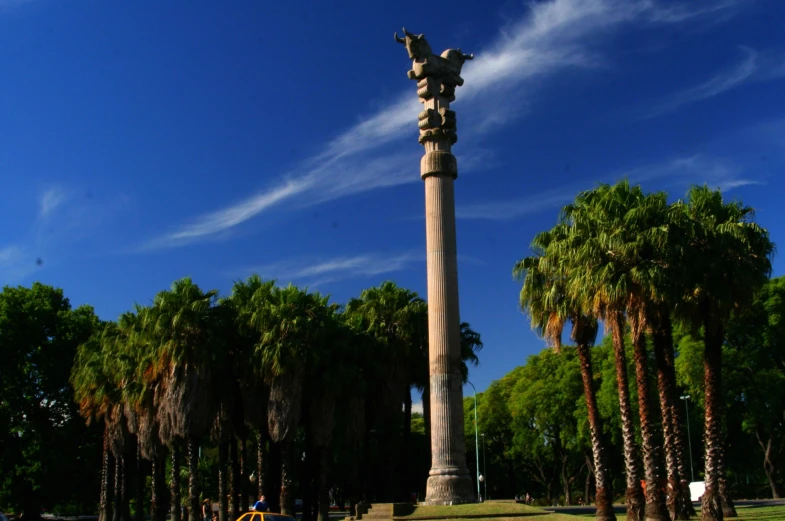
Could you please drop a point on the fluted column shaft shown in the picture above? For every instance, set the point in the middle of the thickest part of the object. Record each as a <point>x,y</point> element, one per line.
<point>449,481</point>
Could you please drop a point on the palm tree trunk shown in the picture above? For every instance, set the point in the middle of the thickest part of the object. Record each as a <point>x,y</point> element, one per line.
<point>666,393</point>
<point>590,479</point>
<point>223,492</point>
<point>117,514</point>
<point>126,493</point>
<point>235,487</point>
<point>104,514</point>
<point>241,485</point>
<point>308,485</point>
<point>174,483</point>
<point>604,484</point>
<point>193,483</point>
<point>260,473</point>
<point>665,336</point>
<point>273,477</point>
<point>323,492</point>
<point>156,498</point>
<point>287,497</point>
<point>139,486</point>
<point>634,494</point>
<point>655,502</point>
<point>404,478</point>
<point>728,508</point>
<point>711,508</point>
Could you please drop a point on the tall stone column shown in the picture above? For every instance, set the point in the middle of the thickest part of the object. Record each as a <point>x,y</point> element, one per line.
<point>449,481</point>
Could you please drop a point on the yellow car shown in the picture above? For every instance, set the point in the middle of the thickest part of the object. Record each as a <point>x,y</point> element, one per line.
<point>264,516</point>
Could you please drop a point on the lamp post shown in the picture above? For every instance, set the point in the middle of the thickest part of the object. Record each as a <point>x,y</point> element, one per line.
<point>476,441</point>
<point>686,398</point>
<point>484,467</point>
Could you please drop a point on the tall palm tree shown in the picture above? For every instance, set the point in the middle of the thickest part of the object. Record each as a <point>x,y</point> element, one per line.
<point>392,316</point>
<point>126,362</point>
<point>729,257</point>
<point>250,297</point>
<point>544,299</point>
<point>181,323</point>
<point>290,323</point>
<point>597,278</point>
<point>96,395</point>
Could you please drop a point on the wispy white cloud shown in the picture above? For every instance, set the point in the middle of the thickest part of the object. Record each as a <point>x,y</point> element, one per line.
<point>514,208</point>
<point>15,264</point>
<point>754,66</point>
<point>50,200</point>
<point>313,272</point>
<point>61,222</point>
<point>336,268</point>
<point>549,37</point>
<point>681,172</point>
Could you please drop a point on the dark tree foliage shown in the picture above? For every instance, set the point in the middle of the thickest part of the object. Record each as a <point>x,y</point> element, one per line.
<point>48,457</point>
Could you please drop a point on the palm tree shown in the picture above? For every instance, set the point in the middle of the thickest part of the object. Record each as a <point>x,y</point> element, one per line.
<point>392,316</point>
<point>326,374</point>
<point>181,324</point>
<point>729,259</point>
<point>290,323</point>
<point>248,298</point>
<point>679,501</point>
<point>133,391</point>
<point>96,395</point>
<point>543,298</point>
<point>597,278</point>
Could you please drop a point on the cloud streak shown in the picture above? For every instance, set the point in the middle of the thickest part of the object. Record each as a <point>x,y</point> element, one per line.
<point>754,66</point>
<point>337,268</point>
<point>684,171</point>
<point>550,37</point>
<point>50,200</point>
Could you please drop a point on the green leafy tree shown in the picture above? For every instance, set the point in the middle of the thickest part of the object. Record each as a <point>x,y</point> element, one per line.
<point>42,437</point>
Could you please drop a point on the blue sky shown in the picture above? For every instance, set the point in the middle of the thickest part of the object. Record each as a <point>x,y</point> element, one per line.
<point>146,141</point>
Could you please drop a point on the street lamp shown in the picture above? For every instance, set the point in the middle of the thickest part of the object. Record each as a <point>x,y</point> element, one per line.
<point>484,468</point>
<point>476,441</point>
<point>686,397</point>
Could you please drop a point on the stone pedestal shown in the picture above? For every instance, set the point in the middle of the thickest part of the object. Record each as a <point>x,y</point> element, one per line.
<point>449,481</point>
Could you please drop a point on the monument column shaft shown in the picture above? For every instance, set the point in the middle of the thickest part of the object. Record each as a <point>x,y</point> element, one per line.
<point>447,444</point>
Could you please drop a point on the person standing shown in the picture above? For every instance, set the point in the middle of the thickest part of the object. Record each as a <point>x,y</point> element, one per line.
<point>207,510</point>
<point>261,505</point>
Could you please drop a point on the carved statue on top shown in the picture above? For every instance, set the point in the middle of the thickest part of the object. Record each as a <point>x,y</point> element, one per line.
<point>445,68</point>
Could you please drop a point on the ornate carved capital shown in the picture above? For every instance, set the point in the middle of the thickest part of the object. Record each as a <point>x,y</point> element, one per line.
<point>437,77</point>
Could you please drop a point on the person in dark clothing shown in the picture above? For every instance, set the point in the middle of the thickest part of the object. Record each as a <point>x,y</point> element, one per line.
<point>261,505</point>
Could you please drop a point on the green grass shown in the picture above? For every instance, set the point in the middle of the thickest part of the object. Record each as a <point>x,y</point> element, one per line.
<point>517,512</point>
<point>496,509</point>
<point>746,513</point>
<point>752,513</point>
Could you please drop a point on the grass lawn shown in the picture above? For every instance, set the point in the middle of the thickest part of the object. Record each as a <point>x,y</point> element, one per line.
<point>753,513</point>
<point>496,511</point>
<point>746,513</point>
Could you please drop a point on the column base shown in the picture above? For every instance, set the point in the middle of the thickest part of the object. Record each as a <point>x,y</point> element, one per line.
<point>450,489</point>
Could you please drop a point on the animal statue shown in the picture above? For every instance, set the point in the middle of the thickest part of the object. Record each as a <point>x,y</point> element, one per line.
<point>446,68</point>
